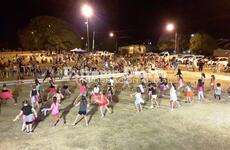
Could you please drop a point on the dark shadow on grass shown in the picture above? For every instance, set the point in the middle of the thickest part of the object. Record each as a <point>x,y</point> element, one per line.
<point>41,117</point>
<point>79,121</point>
<point>66,111</point>
<point>92,112</point>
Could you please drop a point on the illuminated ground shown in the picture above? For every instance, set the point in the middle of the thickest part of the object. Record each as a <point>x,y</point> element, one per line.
<point>193,126</point>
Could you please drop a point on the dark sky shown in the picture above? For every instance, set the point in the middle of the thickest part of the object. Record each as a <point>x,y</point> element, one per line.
<point>136,19</point>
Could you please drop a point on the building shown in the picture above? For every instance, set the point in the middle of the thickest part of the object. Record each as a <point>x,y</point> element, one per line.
<point>221,53</point>
<point>132,49</point>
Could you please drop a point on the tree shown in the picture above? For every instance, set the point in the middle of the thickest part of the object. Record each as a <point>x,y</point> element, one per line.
<point>183,42</point>
<point>202,44</point>
<point>166,42</point>
<point>165,45</point>
<point>45,32</point>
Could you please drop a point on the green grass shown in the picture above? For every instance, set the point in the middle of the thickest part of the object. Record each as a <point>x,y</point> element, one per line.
<point>203,126</point>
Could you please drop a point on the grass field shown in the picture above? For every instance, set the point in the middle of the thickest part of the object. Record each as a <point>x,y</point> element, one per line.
<point>203,126</point>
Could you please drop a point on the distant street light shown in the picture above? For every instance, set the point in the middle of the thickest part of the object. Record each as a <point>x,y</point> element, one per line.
<point>111,34</point>
<point>82,38</point>
<point>170,27</point>
<point>87,11</point>
<point>192,35</point>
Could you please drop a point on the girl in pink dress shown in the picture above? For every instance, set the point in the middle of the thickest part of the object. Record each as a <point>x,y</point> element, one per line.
<point>59,96</point>
<point>55,109</point>
<point>82,89</point>
<point>5,94</point>
<point>181,82</point>
<point>103,103</point>
<point>34,96</point>
<point>200,90</point>
<point>51,91</point>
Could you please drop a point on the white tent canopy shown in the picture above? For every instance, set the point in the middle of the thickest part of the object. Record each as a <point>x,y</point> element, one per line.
<point>78,50</point>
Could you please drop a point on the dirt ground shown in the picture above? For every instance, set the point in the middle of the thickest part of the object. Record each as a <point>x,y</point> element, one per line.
<point>195,125</point>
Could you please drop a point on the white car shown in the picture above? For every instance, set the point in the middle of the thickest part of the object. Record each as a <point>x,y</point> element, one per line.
<point>198,56</point>
<point>183,58</point>
<point>220,60</point>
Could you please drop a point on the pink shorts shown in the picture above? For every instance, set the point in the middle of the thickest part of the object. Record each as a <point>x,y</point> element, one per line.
<point>55,115</point>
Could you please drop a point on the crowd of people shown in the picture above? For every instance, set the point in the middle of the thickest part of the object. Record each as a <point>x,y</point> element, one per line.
<point>59,65</point>
<point>102,93</point>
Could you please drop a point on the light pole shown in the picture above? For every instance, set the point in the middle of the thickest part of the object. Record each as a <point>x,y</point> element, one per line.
<point>93,46</point>
<point>87,11</point>
<point>170,27</point>
<point>112,35</point>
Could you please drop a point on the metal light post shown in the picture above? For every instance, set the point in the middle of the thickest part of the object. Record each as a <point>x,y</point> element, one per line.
<point>170,27</point>
<point>93,46</point>
<point>111,34</point>
<point>87,11</point>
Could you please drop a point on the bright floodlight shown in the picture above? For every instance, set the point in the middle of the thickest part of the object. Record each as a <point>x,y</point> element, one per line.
<point>170,27</point>
<point>111,34</point>
<point>87,11</point>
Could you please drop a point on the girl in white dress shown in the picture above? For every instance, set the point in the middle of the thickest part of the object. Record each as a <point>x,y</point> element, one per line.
<point>173,96</point>
<point>138,100</point>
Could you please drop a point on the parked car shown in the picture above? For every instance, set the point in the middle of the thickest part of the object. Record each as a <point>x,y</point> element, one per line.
<point>183,58</point>
<point>168,55</point>
<point>220,60</point>
<point>198,56</point>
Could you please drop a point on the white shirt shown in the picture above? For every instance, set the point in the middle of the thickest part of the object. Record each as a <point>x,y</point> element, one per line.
<point>138,96</point>
<point>96,90</point>
<point>141,88</point>
<point>111,82</point>
<point>173,96</point>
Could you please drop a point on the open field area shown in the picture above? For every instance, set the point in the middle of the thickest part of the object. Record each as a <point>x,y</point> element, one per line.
<point>193,126</point>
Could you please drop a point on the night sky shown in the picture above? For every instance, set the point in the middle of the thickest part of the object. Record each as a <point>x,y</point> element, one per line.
<point>138,20</point>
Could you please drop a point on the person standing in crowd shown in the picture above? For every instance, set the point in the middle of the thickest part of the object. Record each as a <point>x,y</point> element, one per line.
<point>187,64</point>
<point>6,94</point>
<point>212,83</point>
<point>47,74</point>
<point>194,64</point>
<point>109,94</point>
<point>179,73</point>
<point>200,90</point>
<point>176,64</point>
<point>200,65</point>
<point>34,96</point>
<point>139,100</point>
<point>180,82</point>
<point>65,90</point>
<point>82,110</point>
<point>218,91</point>
<point>188,92</point>
<point>153,90</point>
<point>29,113</point>
<point>173,97</point>
<point>55,112</point>
<point>203,78</point>
<point>103,103</point>
<point>59,96</point>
